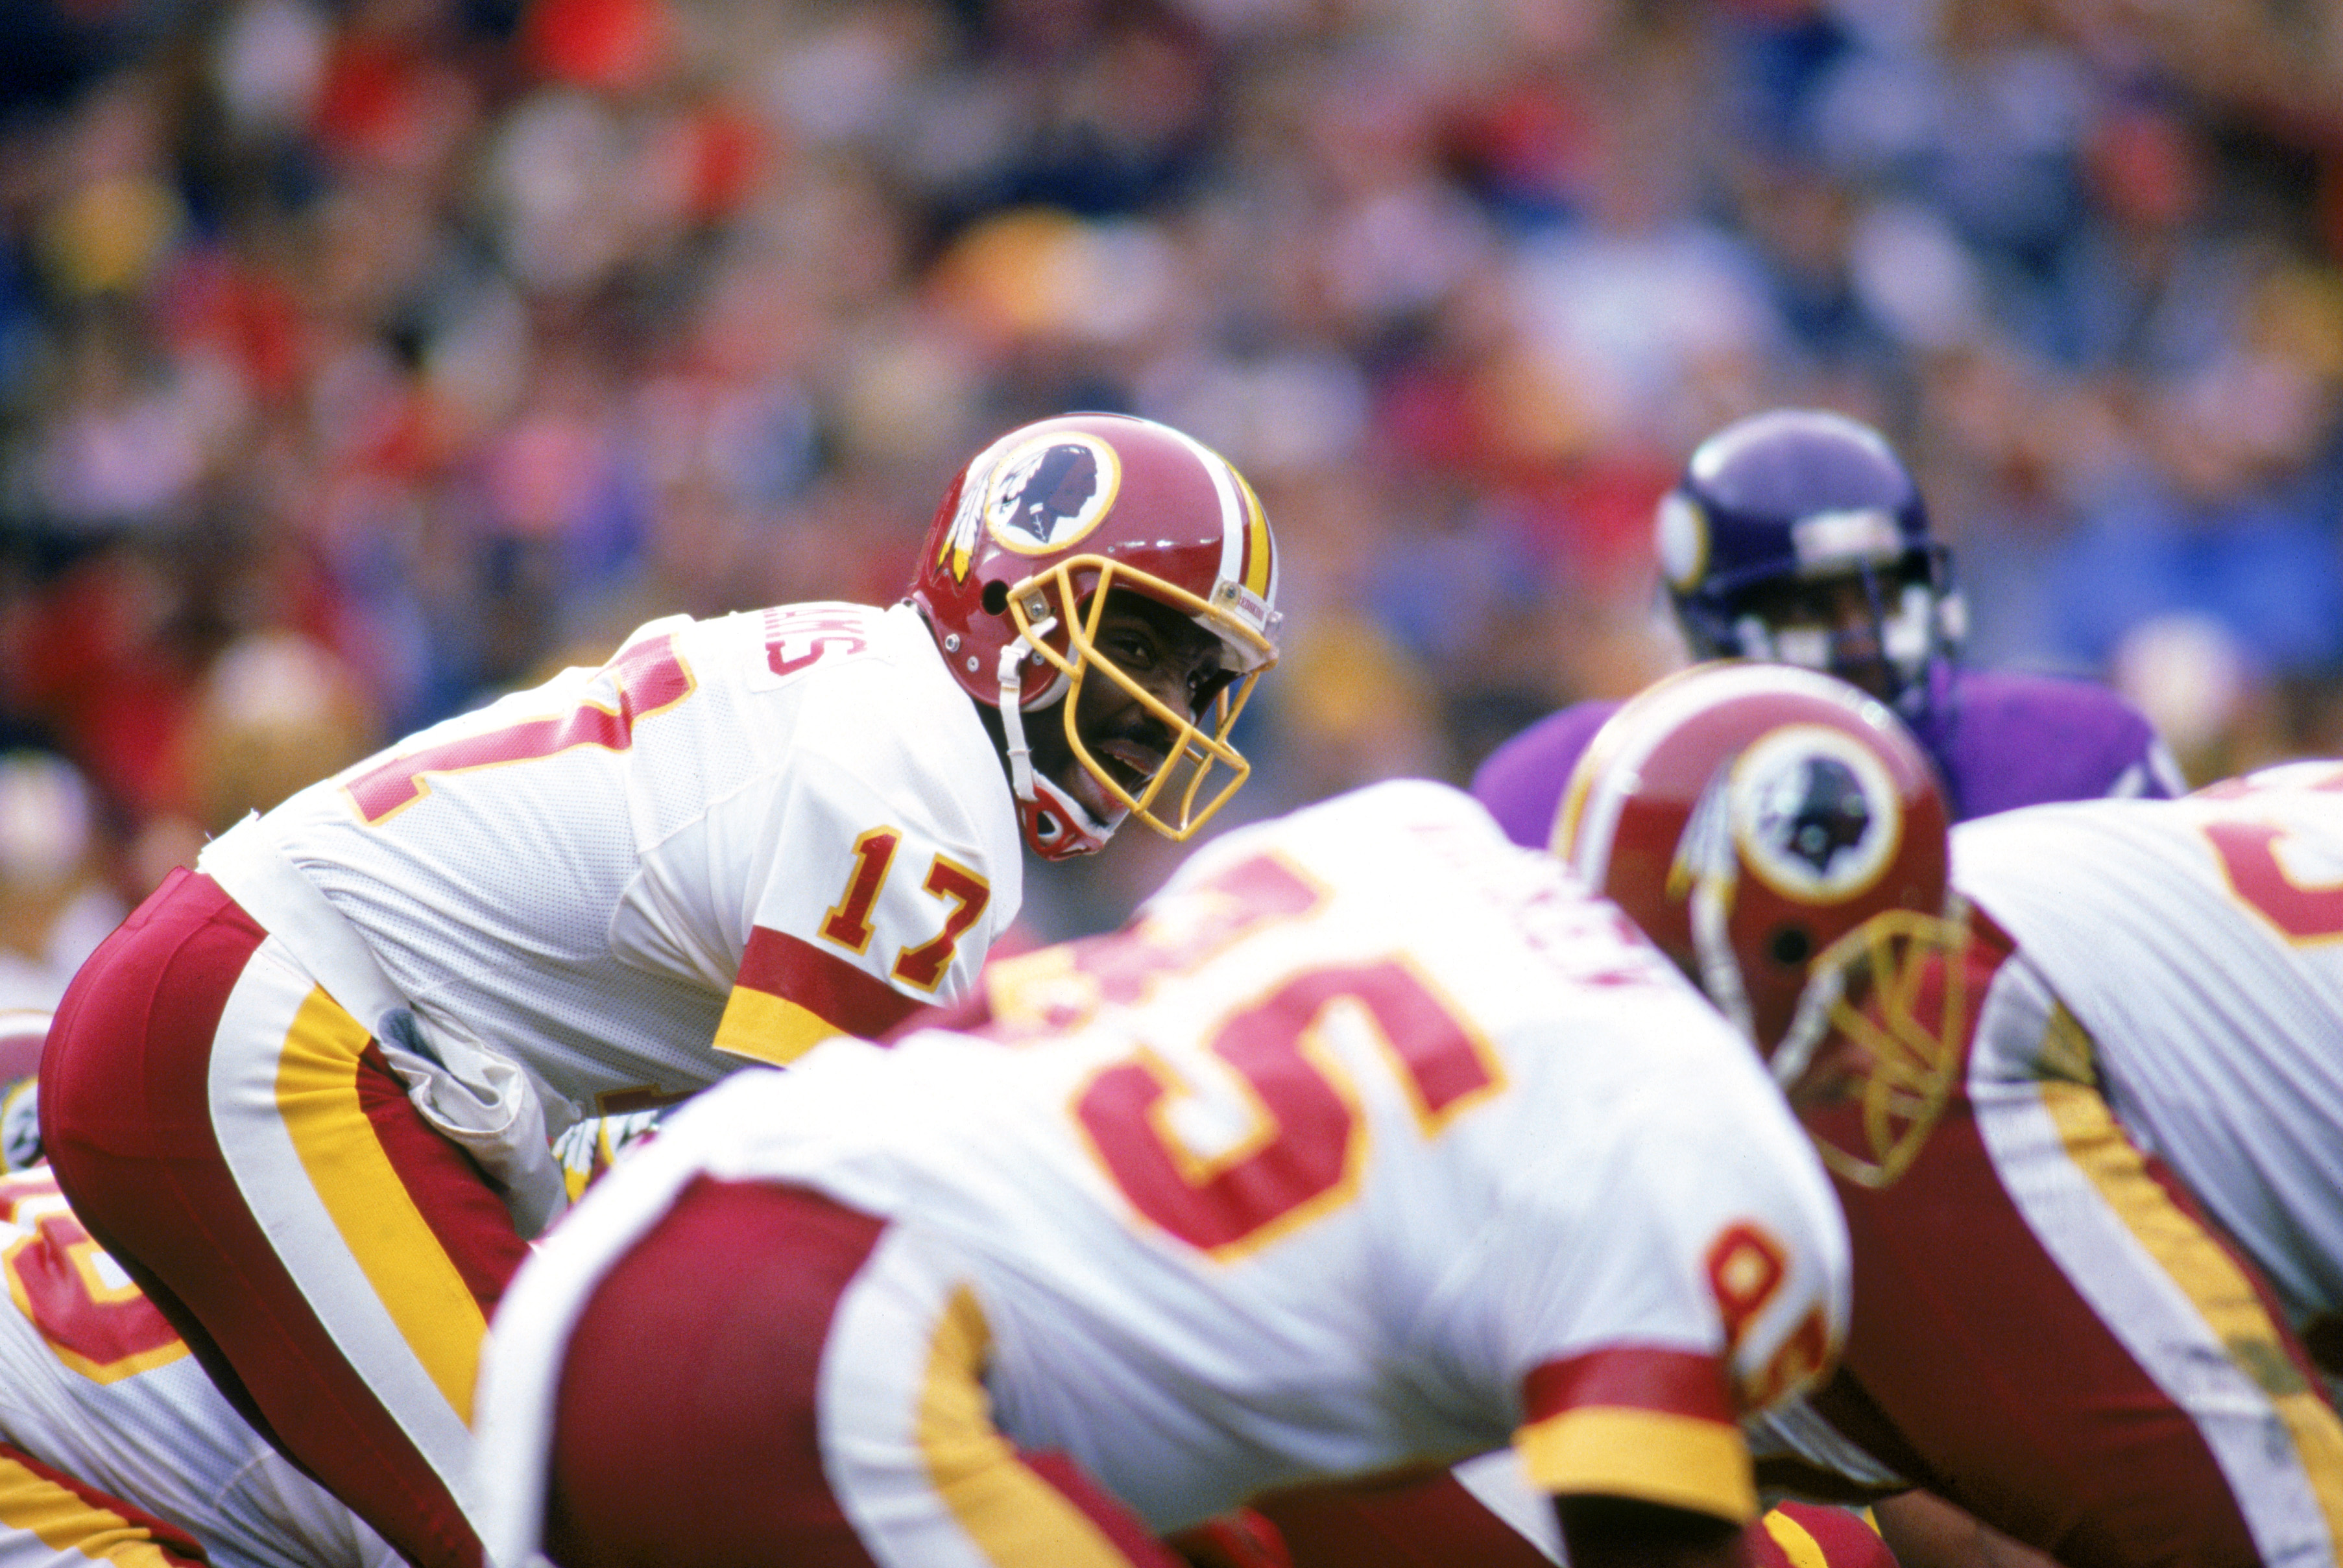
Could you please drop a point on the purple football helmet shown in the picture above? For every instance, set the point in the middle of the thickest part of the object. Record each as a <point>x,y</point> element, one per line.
<point>1798,536</point>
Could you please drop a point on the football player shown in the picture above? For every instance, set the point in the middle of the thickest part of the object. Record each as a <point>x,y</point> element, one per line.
<point>115,1445</point>
<point>1372,1140</point>
<point>1799,536</point>
<point>305,1094</point>
<point>2084,1115</point>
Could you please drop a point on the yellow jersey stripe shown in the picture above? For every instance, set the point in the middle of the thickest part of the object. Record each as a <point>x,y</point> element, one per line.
<point>64,1520</point>
<point>1653,1456</point>
<point>757,1026</point>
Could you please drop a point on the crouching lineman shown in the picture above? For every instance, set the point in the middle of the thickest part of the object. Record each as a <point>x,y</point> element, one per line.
<point>2085,1118</point>
<point>1371,1143</point>
<point>115,1445</point>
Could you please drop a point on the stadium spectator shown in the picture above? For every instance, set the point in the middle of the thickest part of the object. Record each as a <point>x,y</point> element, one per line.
<point>57,899</point>
<point>493,330</point>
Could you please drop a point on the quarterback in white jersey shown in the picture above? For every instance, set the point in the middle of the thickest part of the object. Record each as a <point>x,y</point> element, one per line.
<point>2083,1111</point>
<point>305,1094</point>
<point>1373,1141</point>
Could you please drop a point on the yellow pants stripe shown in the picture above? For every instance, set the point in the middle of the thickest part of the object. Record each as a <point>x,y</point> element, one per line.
<point>418,1283</point>
<point>1013,1515</point>
<point>2211,1279</point>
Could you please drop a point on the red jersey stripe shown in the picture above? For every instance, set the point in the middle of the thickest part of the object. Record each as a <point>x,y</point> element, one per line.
<point>1631,1377</point>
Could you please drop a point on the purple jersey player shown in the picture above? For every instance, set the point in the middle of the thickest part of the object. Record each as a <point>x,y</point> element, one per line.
<point>1799,536</point>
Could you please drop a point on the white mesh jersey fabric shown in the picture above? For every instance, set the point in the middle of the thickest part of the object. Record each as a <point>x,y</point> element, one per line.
<point>2200,943</point>
<point>572,873</point>
<point>1529,1133</point>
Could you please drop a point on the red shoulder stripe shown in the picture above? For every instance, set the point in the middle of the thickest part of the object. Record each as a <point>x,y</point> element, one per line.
<point>1630,1377</point>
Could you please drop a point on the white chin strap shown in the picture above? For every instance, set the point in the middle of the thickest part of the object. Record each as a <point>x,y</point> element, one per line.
<point>1028,786</point>
<point>1706,855</point>
<point>1808,1026</point>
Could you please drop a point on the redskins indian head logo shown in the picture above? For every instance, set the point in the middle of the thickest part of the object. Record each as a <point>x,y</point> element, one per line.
<point>1815,813</point>
<point>1036,498</point>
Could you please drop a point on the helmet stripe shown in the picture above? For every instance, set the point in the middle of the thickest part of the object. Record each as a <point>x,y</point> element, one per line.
<point>1260,547</point>
<point>1226,486</point>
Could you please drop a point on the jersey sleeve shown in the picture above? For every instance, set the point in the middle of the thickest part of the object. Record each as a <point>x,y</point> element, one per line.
<point>874,909</point>
<point>1522,780</point>
<point>1705,1279</point>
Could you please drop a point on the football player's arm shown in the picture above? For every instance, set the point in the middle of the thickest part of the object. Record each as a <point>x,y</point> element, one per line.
<point>1925,1532</point>
<point>1695,1304</point>
<point>792,994</point>
<point>869,917</point>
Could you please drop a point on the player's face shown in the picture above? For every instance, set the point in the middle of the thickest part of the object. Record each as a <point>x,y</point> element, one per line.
<point>1832,625</point>
<point>1174,661</point>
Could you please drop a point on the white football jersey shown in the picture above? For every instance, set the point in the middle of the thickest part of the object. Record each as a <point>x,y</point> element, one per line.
<point>1370,1135</point>
<point>94,1383</point>
<point>800,800</point>
<point>2200,943</point>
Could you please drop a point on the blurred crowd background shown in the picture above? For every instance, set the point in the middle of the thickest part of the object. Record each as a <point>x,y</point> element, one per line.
<point>362,358</point>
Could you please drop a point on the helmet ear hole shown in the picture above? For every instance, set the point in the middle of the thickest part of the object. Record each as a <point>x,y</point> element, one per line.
<point>1790,946</point>
<point>995,598</point>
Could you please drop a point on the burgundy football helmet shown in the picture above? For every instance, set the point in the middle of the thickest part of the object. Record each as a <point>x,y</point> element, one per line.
<point>1013,579</point>
<point>1781,835</point>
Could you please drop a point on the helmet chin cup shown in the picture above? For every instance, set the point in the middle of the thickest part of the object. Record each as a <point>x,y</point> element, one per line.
<point>1054,824</point>
<point>1057,828</point>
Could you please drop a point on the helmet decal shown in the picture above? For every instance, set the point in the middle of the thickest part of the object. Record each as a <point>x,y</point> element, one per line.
<point>956,543</point>
<point>1815,813</point>
<point>1047,494</point>
<point>1683,540</point>
<point>1839,538</point>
